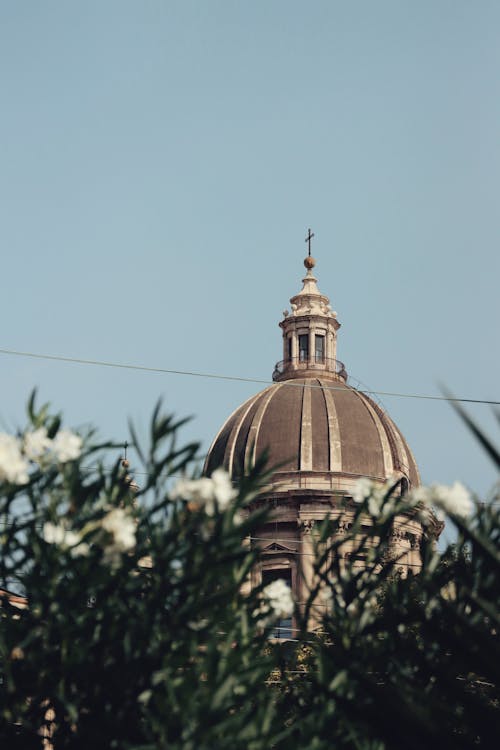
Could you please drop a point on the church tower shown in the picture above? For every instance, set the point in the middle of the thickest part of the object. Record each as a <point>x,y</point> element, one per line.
<point>322,435</point>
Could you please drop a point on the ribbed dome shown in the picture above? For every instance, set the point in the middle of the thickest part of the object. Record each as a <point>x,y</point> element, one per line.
<point>322,433</point>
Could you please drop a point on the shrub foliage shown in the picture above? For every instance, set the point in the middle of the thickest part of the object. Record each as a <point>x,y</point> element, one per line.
<point>140,630</point>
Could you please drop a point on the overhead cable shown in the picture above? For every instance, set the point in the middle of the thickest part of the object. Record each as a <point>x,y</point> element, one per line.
<point>235,378</point>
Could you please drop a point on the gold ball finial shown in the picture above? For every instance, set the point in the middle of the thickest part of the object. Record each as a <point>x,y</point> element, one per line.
<point>309,262</point>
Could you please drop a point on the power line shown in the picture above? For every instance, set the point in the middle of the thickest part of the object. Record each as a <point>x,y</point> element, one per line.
<point>234,378</point>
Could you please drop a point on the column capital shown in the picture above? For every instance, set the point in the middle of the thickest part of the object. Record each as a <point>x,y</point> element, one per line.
<point>306,525</point>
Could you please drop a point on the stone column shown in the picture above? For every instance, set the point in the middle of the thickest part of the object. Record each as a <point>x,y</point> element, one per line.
<point>307,558</point>
<point>295,346</point>
<point>307,568</point>
<point>332,353</point>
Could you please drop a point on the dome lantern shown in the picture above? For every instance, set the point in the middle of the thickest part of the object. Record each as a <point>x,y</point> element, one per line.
<point>309,333</point>
<point>320,433</point>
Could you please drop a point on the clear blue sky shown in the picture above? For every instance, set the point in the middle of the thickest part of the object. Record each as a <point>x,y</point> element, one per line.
<point>162,161</point>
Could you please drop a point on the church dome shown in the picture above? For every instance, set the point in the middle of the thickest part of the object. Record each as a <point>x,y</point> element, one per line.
<point>321,436</point>
<point>319,432</point>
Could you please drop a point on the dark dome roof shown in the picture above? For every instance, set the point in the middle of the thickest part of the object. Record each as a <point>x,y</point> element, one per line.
<point>318,426</point>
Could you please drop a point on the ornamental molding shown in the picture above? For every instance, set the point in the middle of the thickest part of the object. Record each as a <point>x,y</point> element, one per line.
<point>398,535</point>
<point>275,547</point>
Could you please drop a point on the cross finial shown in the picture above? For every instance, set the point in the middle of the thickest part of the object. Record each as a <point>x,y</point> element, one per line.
<point>125,461</point>
<point>309,237</point>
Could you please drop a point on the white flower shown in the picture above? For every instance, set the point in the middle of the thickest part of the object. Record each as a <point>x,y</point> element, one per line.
<point>238,518</point>
<point>362,489</point>
<point>455,500</point>
<point>81,550</point>
<point>53,534</point>
<point>212,493</point>
<point>421,495</point>
<point>375,504</point>
<point>197,624</point>
<point>66,446</point>
<point>353,609</point>
<point>197,491</point>
<point>121,526</point>
<point>380,501</point>
<point>36,443</point>
<point>224,491</point>
<point>66,538</point>
<point>277,603</point>
<point>439,513</point>
<point>13,467</point>
<point>279,597</point>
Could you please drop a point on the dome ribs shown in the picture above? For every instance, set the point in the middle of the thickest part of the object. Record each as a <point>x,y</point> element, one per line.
<point>391,434</point>
<point>387,452</point>
<point>280,430</point>
<point>316,432</point>
<point>306,432</point>
<point>320,428</point>
<point>402,457</point>
<point>334,440</point>
<point>414,473</point>
<point>238,438</point>
<point>361,446</point>
<point>216,455</point>
<point>254,431</point>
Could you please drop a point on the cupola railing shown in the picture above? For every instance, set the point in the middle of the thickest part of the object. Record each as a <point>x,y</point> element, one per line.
<point>323,364</point>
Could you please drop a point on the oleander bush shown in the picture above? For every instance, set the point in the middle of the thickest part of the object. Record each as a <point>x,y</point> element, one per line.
<point>136,631</point>
<point>404,660</point>
<point>139,629</point>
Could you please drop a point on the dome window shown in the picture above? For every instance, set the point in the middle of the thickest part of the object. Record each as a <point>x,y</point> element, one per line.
<point>303,347</point>
<point>319,348</point>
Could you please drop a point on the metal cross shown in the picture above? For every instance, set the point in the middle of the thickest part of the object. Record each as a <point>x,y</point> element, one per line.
<point>309,237</point>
